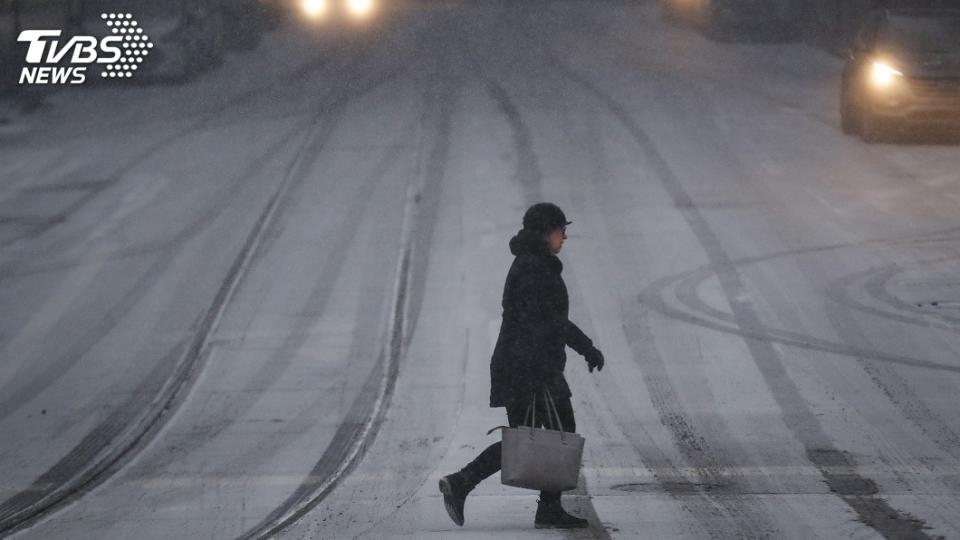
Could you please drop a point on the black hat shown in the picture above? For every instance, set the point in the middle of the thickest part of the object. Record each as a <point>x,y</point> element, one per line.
<point>544,217</point>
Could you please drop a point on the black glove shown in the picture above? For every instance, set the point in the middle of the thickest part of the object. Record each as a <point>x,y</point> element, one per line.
<point>594,359</point>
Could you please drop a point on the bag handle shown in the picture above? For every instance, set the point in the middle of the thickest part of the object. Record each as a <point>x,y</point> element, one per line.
<point>532,414</point>
<point>551,406</point>
<point>532,407</point>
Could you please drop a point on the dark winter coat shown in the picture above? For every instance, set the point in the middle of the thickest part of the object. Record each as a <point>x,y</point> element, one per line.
<point>530,354</point>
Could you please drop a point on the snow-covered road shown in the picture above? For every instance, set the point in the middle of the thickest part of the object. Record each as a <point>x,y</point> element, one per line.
<point>264,303</point>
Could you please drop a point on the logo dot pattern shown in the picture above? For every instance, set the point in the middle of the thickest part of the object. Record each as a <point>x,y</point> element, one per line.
<point>135,46</point>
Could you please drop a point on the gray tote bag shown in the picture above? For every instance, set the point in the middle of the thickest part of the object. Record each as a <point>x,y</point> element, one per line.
<point>542,459</point>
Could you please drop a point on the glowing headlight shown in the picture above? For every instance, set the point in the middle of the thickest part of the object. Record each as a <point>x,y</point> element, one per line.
<point>883,74</point>
<point>360,8</point>
<point>314,8</point>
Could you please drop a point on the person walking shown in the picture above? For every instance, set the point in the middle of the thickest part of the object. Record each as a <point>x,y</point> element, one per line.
<point>529,357</point>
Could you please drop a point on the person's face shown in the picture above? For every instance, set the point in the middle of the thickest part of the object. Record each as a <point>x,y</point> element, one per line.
<point>555,239</point>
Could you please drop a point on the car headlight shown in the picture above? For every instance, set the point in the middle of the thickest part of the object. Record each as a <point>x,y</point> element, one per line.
<point>883,74</point>
<point>360,8</point>
<point>314,8</point>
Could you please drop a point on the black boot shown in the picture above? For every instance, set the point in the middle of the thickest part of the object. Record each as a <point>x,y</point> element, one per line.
<point>455,489</point>
<point>551,515</point>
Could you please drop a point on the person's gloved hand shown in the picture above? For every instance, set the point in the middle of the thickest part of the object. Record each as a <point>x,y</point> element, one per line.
<point>594,359</point>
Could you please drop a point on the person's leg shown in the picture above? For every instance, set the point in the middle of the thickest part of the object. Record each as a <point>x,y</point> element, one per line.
<point>483,466</point>
<point>550,513</point>
<point>516,412</point>
<point>456,486</point>
<point>569,423</point>
<point>488,462</point>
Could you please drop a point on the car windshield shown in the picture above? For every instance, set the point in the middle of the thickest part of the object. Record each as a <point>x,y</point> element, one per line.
<point>930,33</point>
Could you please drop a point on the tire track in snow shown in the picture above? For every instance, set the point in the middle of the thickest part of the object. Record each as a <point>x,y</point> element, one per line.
<point>881,373</point>
<point>315,304</point>
<point>859,493</point>
<point>530,179</point>
<point>711,492</point>
<point>368,411</point>
<point>683,287</point>
<point>97,458</point>
<point>14,398</point>
<point>438,100</point>
<point>871,283</point>
<point>166,249</point>
<point>887,378</point>
<point>708,489</point>
<point>87,463</point>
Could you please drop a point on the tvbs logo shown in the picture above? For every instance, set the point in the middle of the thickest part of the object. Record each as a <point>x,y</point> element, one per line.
<point>119,54</point>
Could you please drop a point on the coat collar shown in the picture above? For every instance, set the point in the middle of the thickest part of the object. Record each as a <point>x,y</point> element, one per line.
<point>527,242</point>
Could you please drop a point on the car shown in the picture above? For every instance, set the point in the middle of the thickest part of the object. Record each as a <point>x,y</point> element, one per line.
<point>903,71</point>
